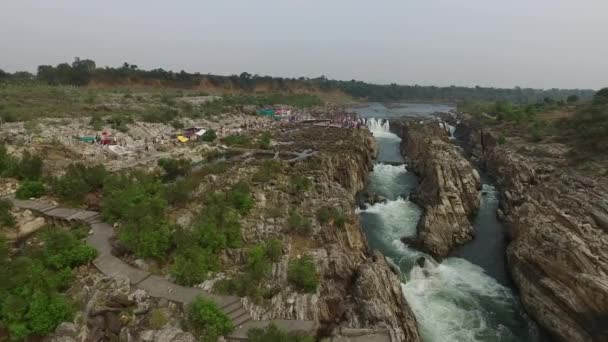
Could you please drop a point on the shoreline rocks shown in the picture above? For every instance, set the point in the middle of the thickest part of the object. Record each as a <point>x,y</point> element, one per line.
<point>449,188</point>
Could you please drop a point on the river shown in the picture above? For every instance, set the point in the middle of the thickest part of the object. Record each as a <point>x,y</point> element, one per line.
<point>466,297</point>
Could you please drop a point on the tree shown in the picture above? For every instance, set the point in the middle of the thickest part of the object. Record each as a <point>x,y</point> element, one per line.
<point>601,97</point>
<point>572,98</point>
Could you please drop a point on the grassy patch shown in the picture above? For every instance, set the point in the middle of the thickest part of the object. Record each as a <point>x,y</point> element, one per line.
<point>302,273</point>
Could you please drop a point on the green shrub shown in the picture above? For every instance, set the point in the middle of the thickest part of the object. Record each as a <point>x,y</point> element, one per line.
<point>120,121</point>
<point>30,300</point>
<point>30,166</point>
<point>131,196</point>
<point>207,320</point>
<point>179,193</point>
<point>298,224</point>
<point>137,200</point>
<point>235,140</point>
<point>265,141</point>
<point>217,225</point>
<point>240,197</point>
<point>62,249</point>
<point>502,140</point>
<point>96,122</point>
<point>174,167</point>
<point>6,217</point>
<point>267,171</point>
<point>192,264</point>
<point>302,273</point>
<point>46,312</point>
<point>209,136</point>
<point>157,318</point>
<point>272,333</point>
<point>163,115</point>
<point>327,214</point>
<point>146,237</point>
<point>29,189</point>
<point>535,133</point>
<point>274,250</point>
<point>79,180</point>
<point>258,264</point>
<point>299,184</point>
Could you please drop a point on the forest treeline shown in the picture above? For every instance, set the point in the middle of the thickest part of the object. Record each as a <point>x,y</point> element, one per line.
<point>82,72</point>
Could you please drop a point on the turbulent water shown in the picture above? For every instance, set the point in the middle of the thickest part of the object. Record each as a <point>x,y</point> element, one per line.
<point>459,299</point>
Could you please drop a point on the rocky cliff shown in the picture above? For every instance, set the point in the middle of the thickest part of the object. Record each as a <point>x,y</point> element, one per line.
<point>359,293</point>
<point>558,225</point>
<point>449,188</point>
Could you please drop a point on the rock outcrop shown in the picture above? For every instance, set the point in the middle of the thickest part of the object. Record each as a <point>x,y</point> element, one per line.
<point>558,254</point>
<point>358,290</point>
<point>449,189</point>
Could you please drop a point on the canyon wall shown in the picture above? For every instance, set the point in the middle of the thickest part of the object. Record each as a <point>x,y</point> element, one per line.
<point>557,221</point>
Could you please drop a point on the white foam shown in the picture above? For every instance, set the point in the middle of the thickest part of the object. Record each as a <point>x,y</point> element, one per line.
<point>448,301</point>
<point>399,217</point>
<point>378,125</point>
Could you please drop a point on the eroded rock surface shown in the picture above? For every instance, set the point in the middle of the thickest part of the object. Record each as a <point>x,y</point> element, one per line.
<point>358,289</point>
<point>558,255</point>
<point>449,189</point>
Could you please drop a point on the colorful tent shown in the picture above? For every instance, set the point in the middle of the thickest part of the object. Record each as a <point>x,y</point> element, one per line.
<point>87,139</point>
<point>182,138</point>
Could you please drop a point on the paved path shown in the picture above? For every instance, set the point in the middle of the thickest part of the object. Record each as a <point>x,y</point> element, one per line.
<point>154,285</point>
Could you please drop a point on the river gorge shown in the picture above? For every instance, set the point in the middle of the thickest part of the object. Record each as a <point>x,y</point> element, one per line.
<point>466,296</point>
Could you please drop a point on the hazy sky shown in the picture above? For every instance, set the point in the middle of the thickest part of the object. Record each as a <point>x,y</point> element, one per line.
<point>536,43</point>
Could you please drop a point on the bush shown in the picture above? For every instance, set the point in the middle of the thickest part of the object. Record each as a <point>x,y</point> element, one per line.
<point>274,250</point>
<point>207,320</point>
<point>265,141</point>
<point>302,273</point>
<point>30,300</point>
<point>29,189</point>
<point>62,250</point>
<point>192,264</point>
<point>240,197</point>
<point>157,319</point>
<point>298,224</point>
<point>131,196</point>
<point>179,193</point>
<point>174,167</point>
<point>138,201</point>
<point>327,214</point>
<point>30,167</point>
<point>120,121</point>
<point>146,237</point>
<point>272,333</point>
<point>300,184</point>
<point>209,136</point>
<point>502,140</point>
<point>6,217</point>
<point>96,122</point>
<point>258,264</point>
<point>267,171</point>
<point>79,180</point>
<point>235,140</point>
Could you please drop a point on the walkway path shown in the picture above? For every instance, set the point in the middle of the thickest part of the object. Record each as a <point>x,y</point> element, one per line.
<point>154,285</point>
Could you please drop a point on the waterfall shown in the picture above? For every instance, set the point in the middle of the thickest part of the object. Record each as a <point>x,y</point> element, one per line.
<point>378,125</point>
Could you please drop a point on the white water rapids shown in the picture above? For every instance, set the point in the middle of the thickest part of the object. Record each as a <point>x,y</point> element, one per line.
<point>454,300</point>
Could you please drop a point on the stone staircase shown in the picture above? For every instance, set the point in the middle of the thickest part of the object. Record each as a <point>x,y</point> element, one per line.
<point>154,285</point>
